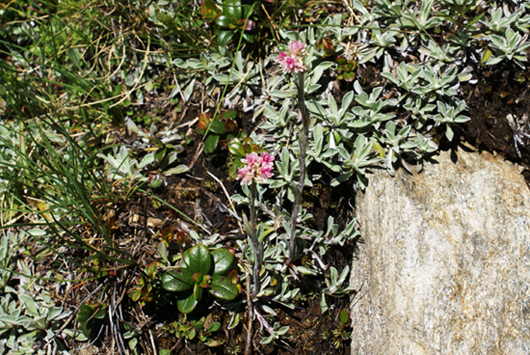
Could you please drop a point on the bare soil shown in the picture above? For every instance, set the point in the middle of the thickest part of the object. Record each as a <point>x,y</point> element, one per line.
<point>500,91</point>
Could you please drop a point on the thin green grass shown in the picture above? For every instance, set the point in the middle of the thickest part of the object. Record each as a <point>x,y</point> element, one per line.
<point>61,187</point>
<point>59,87</point>
<point>71,70</point>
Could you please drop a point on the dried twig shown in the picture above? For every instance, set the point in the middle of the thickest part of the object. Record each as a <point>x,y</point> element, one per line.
<point>152,341</point>
<point>228,198</point>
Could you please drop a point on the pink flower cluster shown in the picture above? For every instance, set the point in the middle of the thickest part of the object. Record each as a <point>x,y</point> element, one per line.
<point>257,168</point>
<point>293,60</point>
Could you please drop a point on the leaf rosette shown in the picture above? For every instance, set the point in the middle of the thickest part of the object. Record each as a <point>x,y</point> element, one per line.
<point>202,270</point>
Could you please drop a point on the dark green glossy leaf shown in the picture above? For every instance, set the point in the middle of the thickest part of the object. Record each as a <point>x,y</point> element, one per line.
<point>217,127</point>
<point>197,277</point>
<point>209,9</point>
<point>154,184</point>
<point>344,316</point>
<point>342,61</point>
<point>223,260</point>
<point>86,328</point>
<point>232,8</point>
<point>197,292</point>
<point>214,327</point>
<point>157,142</point>
<point>224,37</point>
<point>242,150</point>
<point>247,11</point>
<point>232,276</point>
<point>222,21</point>
<point>205,282</point>
<point>229,114</point>
<point>88,311</point>
<point>211,143</point>
<point>223,288</point>
<point>160,154</point>
<point>187,304</point>
<point>348,76</point>
<point>152,269</point>
<point>233,148</point>
<point>135,293</point>
<point>178,280</point>
<point>248,37</point>
<point>198,259</point>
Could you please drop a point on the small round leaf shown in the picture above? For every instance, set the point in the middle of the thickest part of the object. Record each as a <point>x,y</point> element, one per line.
<point>178,280</point>
<point>198,259</point>
<point>223,288</point>
<point>187,305</point>
<point>223,260</point>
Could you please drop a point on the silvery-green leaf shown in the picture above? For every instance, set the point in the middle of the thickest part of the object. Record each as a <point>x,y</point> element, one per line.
<point>323,304</point>
<point>148,159</point>
<point>239,61</point>
<point>176,170</point>
<point>465,76</point>
<point>341,178</point>
<point>234,320</point>
<point>390,77</point>
<point>268,310</point>
<point>31,306</point>
<point>281,94</point>
<point>312,88</point>
<point>56,313</point>
<point>36,232</point>
<point>283,330</point>
<point>449,132</point>
<point>305,271</point>
<point>221,78</point>
<point>77,335</point>
<point>180,63</point>
<point>132,126</point>
<point>343,275</point>
<point>194,63</point>
<point>267,340</point>
<point>367,55</point>
<point>189,90</point>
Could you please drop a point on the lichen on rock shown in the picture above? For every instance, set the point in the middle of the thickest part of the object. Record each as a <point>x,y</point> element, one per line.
<point>444,267</point>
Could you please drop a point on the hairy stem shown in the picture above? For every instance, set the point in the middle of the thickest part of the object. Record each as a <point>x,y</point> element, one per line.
<point>254,239</point>
<point>303,146</point>
<point>248,349</point>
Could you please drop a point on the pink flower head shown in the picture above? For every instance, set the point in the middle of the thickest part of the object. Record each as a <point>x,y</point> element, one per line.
<point>297,48</point>
<point>293,60</point>
<point>257,168</point>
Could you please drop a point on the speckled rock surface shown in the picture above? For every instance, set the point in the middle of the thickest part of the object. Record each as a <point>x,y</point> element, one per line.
<point>444,266</point>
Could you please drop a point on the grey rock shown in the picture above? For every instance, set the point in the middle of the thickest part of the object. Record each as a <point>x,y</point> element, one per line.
<point>444,267</point>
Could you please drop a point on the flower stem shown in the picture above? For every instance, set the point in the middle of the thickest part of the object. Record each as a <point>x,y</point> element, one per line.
<point>304,133</point>
<point>254,239</point>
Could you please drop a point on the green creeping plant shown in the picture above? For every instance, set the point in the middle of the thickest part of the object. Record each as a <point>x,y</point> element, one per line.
<point>201,270</point>
<point>232,20</point>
